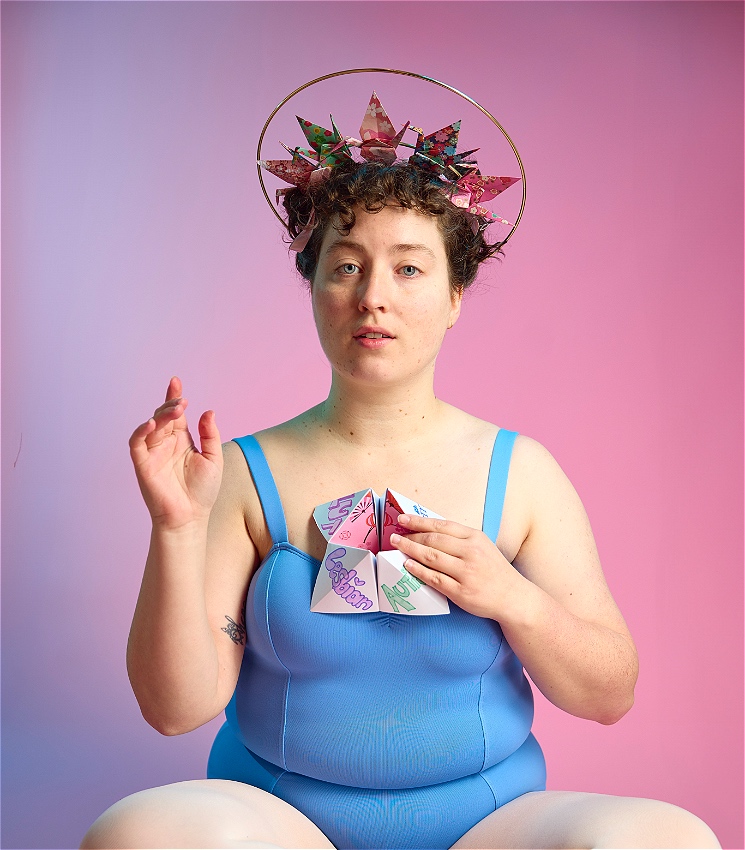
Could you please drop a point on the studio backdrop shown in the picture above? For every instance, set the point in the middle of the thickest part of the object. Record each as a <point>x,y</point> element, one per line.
<point>137,245</point>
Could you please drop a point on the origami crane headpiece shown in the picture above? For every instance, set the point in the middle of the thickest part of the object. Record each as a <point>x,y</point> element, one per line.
<point>462,182</point>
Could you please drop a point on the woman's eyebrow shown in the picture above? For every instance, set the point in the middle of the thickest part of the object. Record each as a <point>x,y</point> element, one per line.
<point>407,247</point>
<point>342,244</point>
<point>401,248</point>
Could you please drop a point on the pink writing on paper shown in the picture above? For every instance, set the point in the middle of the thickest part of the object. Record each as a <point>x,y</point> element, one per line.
<point>343,581</point>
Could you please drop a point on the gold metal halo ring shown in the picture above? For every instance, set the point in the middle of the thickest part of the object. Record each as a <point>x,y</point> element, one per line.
<point>405,74</point>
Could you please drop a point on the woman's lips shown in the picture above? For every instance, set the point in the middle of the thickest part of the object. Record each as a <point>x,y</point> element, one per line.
<point>373,337</point>
<point>373,330</point>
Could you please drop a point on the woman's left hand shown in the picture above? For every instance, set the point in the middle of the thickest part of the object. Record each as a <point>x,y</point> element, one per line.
<point>462,563</point>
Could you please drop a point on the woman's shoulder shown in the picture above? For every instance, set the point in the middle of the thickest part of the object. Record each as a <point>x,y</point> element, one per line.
<point>271,437</point>
<point>237,487</point>
<point>532,465</point>
<point>278,444</point>
<point>298,429</point>
<point>535,463</point>
<point>469,428</point>
<point>239,494</point>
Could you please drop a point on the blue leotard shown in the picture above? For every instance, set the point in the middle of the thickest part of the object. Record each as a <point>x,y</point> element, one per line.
<point>386,730</point>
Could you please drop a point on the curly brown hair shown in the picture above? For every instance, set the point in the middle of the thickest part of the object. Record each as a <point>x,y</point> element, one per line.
<point>372,185</point>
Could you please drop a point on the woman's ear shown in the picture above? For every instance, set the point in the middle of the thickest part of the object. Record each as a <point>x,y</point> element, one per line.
<point>456,297</point>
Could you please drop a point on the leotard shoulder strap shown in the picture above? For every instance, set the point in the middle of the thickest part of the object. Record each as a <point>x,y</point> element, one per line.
<point>265,487</point>
<point>496,484</point>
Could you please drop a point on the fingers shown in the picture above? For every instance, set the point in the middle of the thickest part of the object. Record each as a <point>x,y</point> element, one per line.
<point>137,444</point>
<point>445,543</point>
<point>174,405</point>
<point>169,418</point>
<point>209,437</point>
<point>170,410</point>
<point>434,577</point>
<point>440,535</point>
<point>174,388</point>
<point>149,434</point>
<point>416,523</point>
<point>428,555</point>
<point>161,423</point>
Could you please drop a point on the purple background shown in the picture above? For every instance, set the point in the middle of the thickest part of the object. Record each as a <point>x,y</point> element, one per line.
<point>137,245</point>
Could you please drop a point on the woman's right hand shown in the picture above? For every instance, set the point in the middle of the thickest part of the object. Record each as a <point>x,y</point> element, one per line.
<point>178,482</point>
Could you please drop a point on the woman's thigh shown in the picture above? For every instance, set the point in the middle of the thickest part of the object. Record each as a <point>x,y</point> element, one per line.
<point>203,813</point>
<point>572,819</point>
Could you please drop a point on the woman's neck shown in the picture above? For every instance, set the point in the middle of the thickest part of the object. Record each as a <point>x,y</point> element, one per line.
<point>380,417</point>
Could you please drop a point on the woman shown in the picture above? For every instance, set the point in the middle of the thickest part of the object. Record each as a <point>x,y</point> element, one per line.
<point>374,730</point>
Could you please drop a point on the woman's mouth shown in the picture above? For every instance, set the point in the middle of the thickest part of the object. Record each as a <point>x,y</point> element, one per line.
<point>373,337</point>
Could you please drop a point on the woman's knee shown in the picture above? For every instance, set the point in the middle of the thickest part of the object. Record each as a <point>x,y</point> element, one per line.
<point>654,824</point>
<point>185,814</point>
<point>202,814</point>
<point>579,819</point>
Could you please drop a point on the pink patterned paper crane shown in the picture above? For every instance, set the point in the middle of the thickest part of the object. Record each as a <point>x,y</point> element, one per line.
<point>378,140</point>
<point>473,188</point>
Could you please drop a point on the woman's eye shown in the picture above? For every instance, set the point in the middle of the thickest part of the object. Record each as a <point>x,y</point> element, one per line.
<point>409,271</point>
<point>349,268</point>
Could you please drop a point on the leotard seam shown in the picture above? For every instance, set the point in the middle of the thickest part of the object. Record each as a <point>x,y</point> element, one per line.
<point>276,780</point>
<point>481,691</point>
<point>277,547</point>
<point>494,794</point>
<point>268,562</point>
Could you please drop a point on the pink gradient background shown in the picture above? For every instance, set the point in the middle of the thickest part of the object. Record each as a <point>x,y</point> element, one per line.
<point>137,245</point>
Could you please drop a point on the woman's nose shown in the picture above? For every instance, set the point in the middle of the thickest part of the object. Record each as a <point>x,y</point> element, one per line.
<point>374,292</point>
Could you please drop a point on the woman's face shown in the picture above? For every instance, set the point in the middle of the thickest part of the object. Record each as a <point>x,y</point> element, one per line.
<point>382,299</point>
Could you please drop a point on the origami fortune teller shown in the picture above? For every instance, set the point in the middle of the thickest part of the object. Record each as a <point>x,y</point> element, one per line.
<point>399,592</point>
<point>360,571</point>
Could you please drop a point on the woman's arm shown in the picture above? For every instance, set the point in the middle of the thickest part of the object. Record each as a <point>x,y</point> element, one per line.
<point>186,641</point>
<point>581,654</point>
<point>555,609</point>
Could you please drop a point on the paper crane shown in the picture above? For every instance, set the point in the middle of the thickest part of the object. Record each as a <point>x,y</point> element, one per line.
<point>378,141</point>
<point>473,188</point>
<point>437,152</point>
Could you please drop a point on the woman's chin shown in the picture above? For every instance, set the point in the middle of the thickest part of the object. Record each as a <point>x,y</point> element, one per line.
<point>381,376</point>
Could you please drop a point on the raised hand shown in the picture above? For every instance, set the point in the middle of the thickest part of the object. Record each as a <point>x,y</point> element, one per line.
<point>178,482</point>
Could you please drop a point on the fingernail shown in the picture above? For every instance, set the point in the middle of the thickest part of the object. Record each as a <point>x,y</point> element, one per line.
<point>403,519</point>
<point>395,538</point>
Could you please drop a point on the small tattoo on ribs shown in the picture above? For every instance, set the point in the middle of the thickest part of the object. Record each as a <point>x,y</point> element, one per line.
<point>236,631</point>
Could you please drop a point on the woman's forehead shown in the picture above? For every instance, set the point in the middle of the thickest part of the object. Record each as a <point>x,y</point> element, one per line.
<point>393,228</point>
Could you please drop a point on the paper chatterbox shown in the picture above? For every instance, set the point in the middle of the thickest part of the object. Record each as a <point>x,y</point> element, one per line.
<point>360,571</point>
<point>350,520</point>
<point>399,592</point>
<point>346,582</point>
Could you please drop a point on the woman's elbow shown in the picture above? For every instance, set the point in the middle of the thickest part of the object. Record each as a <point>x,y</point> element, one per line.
<point>170,726</point>
<point>167,726</point>
<point>612,712</point>
<point>619,699</point>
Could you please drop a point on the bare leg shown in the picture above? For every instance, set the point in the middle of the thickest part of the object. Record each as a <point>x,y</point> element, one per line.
<point>571,819</point>
<point>203,813</point>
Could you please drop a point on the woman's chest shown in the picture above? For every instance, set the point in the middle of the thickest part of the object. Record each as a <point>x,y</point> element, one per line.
<point>282,626</point>
<point>451,483</point>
